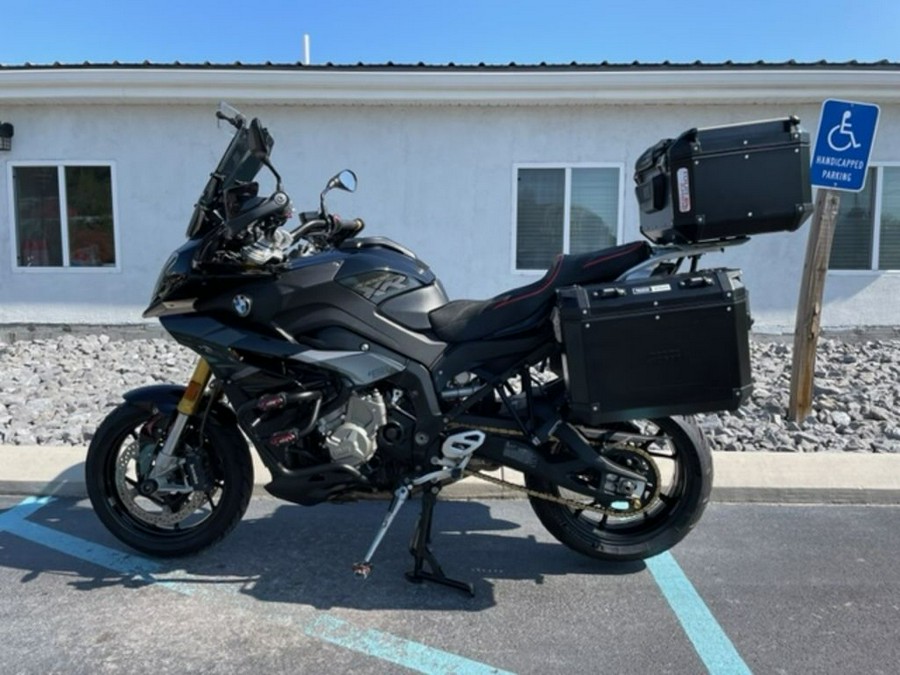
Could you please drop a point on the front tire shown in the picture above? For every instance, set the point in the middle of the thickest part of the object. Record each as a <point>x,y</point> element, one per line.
<point>119,459</point>
<point>682,464</point>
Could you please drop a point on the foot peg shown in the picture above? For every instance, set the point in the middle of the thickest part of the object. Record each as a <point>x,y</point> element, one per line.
<point>456,451</point>
<point>461,446</point>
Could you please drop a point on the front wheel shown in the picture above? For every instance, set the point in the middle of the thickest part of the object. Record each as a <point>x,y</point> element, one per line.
<point>676,459</point>
<point>217,475</point>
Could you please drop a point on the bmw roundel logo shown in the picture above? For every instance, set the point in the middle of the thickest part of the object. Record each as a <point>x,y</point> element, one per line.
<point>242,304</point>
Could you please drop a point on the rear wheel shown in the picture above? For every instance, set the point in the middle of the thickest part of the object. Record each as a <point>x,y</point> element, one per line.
<point>217,475</point>
<point>674,457</point>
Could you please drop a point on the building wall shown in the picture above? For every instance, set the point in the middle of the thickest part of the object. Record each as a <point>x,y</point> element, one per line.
<point>437,178</point>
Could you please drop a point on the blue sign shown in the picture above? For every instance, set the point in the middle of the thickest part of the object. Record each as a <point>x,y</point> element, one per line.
<point>843,145</point>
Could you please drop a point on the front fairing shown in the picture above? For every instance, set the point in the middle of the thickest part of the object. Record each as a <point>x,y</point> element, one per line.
<point>171,289</point>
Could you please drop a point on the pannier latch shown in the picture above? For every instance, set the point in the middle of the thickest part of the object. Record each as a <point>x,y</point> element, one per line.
<point>695,282</point>
<point>609,293</point>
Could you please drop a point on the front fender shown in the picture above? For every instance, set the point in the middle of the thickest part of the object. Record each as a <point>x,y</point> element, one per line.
<point>161,397</point>
<point>164,398</point>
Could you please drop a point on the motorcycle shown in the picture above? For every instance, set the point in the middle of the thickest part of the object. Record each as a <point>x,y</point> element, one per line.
<point>341,360</point>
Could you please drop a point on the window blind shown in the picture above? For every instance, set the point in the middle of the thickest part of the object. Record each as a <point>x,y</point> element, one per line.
<point>851,248</point>
<point>889,244</point>
<point>539,217</point>
<point>594,209</point>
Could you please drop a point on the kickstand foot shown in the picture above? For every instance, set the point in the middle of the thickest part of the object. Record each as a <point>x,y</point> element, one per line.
<point>420,549</point>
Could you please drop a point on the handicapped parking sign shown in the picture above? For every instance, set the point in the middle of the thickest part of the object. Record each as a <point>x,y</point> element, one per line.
<point>843,145</point>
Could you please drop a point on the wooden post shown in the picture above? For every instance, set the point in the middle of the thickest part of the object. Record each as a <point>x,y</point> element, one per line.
<point>809,306</point>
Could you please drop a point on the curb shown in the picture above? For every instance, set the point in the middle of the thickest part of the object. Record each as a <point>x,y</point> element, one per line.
<point>846,478</point>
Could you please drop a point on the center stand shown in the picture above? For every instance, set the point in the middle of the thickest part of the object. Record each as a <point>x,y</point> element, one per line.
<point>420,548</point>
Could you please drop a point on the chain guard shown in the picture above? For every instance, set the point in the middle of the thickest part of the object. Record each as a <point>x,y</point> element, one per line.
<point>581,506</point>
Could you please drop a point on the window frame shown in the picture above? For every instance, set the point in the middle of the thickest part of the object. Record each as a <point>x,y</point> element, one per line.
<point>66,267</point>
<point>567,204</point>
<point>876,227</point>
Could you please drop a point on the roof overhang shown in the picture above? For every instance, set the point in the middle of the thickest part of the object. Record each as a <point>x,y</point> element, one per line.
<point>393,86</point>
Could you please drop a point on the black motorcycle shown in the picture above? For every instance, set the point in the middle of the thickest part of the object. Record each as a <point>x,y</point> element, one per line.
<point>342,361</point>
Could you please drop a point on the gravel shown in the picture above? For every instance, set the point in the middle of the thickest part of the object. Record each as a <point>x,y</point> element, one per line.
<point>55,391</point>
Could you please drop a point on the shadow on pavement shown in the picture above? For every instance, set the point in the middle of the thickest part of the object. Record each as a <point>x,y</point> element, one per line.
<point>300,555</point>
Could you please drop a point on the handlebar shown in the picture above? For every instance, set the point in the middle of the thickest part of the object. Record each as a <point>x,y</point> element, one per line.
<point>273,245</point>
<point>334,228</point>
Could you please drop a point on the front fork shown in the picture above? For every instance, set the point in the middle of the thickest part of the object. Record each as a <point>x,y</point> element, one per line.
<point>166,460</point>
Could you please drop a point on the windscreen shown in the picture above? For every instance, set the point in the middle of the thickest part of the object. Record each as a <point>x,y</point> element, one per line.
<point>238,165</point>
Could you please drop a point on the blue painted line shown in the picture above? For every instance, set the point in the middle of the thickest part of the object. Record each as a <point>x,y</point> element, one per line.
<point>23,509</point>
<point>108,558</point>
<point>320,626</point>
<point>413,655</point>
<point>711,643</point>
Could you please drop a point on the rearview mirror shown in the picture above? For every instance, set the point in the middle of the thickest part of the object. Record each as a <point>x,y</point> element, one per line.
<point>345,180</point>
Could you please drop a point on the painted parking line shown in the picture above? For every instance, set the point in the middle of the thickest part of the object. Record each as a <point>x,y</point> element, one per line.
<point>15,522</point>
<point>320,626</point>
<point>711,643</point>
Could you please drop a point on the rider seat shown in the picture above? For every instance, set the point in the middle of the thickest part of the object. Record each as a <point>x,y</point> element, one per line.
<point>524,308</point>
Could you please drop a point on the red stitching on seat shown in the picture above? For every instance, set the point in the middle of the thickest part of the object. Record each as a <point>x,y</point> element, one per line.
<point>631,249</point>
<point>549,282</point>
<point>556,270</point>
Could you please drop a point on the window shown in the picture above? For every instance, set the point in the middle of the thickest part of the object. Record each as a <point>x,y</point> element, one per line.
<point>63,215</point>
<point>867,231</point>
<point>564,210</point>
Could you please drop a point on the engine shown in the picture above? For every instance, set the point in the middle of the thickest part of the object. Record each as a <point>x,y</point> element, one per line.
<point>350,432</point>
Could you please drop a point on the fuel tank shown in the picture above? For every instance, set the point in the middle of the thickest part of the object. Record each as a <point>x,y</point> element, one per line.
<point>370,292</point>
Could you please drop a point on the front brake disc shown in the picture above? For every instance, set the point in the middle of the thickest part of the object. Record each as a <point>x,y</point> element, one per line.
<point>144,508</point>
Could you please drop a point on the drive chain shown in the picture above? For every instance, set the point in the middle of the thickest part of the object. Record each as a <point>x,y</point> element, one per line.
<point>571,503</point>
<point>574,504</point>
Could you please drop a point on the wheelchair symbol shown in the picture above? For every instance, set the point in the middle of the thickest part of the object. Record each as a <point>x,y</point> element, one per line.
<point>846,140</point>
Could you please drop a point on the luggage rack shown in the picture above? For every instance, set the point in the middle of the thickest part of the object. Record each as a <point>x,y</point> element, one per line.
<point>679,252</point>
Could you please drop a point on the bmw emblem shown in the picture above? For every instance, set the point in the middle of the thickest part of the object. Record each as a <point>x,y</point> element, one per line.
<point>241,304</point>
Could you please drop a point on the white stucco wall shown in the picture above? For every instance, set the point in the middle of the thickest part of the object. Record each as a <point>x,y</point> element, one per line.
<point>437,178</point>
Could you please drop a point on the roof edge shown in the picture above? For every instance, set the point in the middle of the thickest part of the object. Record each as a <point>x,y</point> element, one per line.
<point>422,66</point>
<point>414,85</point>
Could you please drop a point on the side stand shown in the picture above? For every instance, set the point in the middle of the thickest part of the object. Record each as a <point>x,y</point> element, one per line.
<point>421,550</point>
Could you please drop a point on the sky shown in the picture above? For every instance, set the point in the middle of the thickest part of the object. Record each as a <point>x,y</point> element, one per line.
<point>447,31</point>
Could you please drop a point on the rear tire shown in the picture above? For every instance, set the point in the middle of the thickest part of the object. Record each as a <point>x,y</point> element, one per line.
<point>120,457</point>
<point>683,462</point>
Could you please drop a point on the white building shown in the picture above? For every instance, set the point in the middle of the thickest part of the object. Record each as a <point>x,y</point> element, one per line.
<point>107,161</point>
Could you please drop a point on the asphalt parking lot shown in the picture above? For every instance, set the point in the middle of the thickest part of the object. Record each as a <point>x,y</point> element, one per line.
<point>757,588</point>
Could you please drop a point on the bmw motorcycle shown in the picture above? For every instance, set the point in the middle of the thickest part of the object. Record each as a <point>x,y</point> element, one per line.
<point>341,360</point>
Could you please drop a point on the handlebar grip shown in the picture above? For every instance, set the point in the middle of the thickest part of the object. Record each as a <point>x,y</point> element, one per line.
<point>335,229</point>
<point>348,228</point>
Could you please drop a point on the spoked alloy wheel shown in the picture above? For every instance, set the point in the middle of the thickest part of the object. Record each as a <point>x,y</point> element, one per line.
<point>164,523</point>
<point>674,457</point>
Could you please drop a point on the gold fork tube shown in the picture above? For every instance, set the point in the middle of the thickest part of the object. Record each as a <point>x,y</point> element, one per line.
<point>190,401</point>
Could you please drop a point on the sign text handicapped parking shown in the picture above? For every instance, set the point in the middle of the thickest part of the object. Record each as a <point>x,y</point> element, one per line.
<point>843,145</point>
